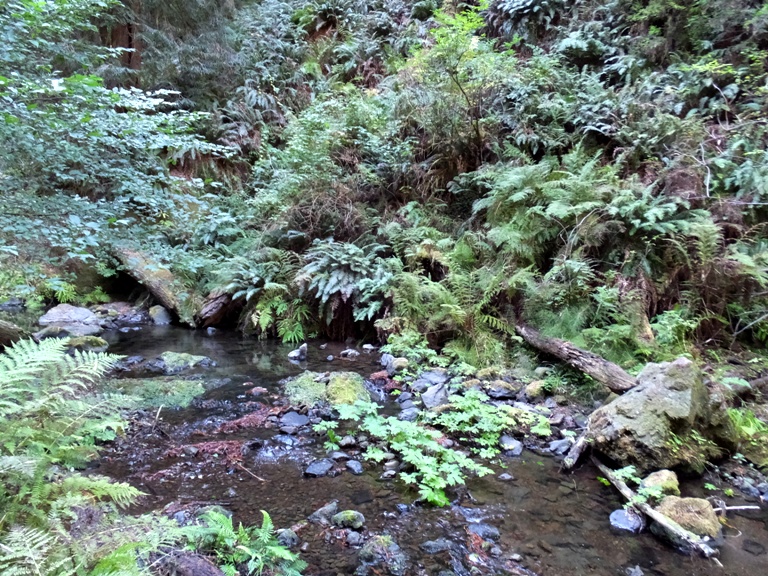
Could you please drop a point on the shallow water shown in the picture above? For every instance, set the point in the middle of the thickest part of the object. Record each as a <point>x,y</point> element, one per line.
<point>557,522</point>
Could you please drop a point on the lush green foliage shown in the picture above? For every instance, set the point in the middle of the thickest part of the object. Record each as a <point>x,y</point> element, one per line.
<point>243,550</point>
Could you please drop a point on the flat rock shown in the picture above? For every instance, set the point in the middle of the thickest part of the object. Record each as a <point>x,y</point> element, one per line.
<point>294,419</point>
<point>624,521</point>
<point>420,384</point>
<point>68,314</point>
<point>560,447</point>
<point>436,546</point>
<point>485,531</point>
<point>319,468</point>
<point>435,376</point>
<point>435,396</point>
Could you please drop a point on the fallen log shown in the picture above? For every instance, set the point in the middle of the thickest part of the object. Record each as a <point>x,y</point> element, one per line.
<point>605,372</point>
<point>158,280</point>
<point>215,308</point>
<point>9,333</point>
<point>574,454</point>
<point>679,535</point>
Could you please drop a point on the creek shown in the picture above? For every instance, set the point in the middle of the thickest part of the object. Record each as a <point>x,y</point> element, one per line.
<point>558,523</point>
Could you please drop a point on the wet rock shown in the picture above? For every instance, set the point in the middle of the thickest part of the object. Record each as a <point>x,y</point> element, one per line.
<point>347,441</point>
<point>436,546</point>
<point>319,468</point>
<point>388,474</point>
<point>349,354</point>
<point>627,521</point>
<point>435,396</point>
<point>348,519</point>
<point>637,428</point>
<point>405,396</point>
<point>287,537</point>
<point>409,415</point>
<point>323,515</point>
<point>210,330</point>
<point>500,390</point>
<point>634,571</point>
<point>288,429</point>
<point>397,365</point>
<point>754,548</point>
<point>294,419</point>
<point>560,447</point>
<point>160,316</point>
<point>65,314</point>
<point>67,330</point>
<point>506,477</point>
<point>484,531</point>
<point>355,467</point>
<point>298,355</point>
<point>694,514</point>
<point>381,555</point>
<point>406,405</point>
<point>329,358</point>
<point>420,384</point>
<point>338,456</point>
<point>176,362</point>
<point>88,344</point>
<point>535,390</point>
<point>510,445</point>
<point>391,465</point>
<point>368,348</point>
<point>354,538</point>
<point>664,480</point>
<point>436,376</point>
<point>386,359</point>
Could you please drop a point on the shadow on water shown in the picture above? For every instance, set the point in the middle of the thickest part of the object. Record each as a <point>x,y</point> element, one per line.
<point>558,523</point>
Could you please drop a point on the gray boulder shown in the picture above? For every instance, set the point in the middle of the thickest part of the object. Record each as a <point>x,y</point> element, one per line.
<point>664,422</point>
<point>67,320</point>
<point>435,396</point>
<point>160,316</point>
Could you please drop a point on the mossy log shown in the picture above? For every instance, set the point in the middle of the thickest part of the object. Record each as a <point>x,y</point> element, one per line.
<point>676,533</point>
<point>158,280</point>
<point>9,333</point>
<point>605,372</point>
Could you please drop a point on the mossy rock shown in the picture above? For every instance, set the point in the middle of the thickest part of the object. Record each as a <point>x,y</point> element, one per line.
<point>349,519</point>
<point>756,451</point>
<point>88,344</point>
<point>175,362</point>
<point>665,481</point>
<point>694,514</point>
<point>346,388</point>
<point>312,388</point>
<point>535,390</point>
<point>156,392</point>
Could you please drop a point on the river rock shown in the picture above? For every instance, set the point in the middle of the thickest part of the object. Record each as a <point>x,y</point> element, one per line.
<point>67,320</point>
<point>660,422</point>
<point>435,376</point>
<point>185,563</point>
<point>175,362</point>
<point>319,468</point>
<point>355,467</point>
<point>353,538</point>
<point>500,390</point>
<point>436,546</point>
<point>665,480</point>
<point>88,344</point>
<point>435,396</point>
<point>510,445</point>
<point>409,414</point>
<point>485,531</point>
<point>323,515</point>
<point>397,365</point>
<point>294,419</point>
<point>381,555</point>
<point>535,390</point>
<point>626,521</point>
<point>348,519</point>
<point>298,355</point>
<point>693,514</point>
<point>560,447</point>
<point>420,384</point>
<point>160,316</point>
<point>287,537</point>
<point>349,354</point>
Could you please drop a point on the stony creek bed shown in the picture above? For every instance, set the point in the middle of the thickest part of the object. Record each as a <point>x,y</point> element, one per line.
<point>549,523</point>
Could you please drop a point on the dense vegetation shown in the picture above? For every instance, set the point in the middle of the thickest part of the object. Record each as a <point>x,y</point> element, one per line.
<point>403,170</point>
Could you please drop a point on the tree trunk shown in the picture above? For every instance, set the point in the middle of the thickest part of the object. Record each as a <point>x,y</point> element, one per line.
<point>160,281</point>
<point>605,372</point>
<point>9,333</point>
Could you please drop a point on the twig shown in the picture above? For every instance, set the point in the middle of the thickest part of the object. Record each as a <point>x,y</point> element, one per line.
<point>244,469</point>
<point>157,417</point>
<point>729,508</point>
<point>680,534</point>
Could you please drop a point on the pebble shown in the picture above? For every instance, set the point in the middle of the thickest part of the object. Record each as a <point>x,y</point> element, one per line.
<point>506,477</point>
<point>329,358</point>
<point>319,468</point>
<point>355,467</point>
<point>388,474</point>
<point>354,538</point>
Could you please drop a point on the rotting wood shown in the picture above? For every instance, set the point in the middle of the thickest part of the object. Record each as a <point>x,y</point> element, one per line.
<point>160,281</point>
<point>9,333</point>
<point>605,372</point>
<point>214,309</point>
<point>678,534</point>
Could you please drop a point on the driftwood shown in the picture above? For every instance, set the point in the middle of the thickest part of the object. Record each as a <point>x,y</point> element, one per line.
<point>9,333</point>
<point>215,308</point>
<point>581,444</point>
<point>679,535</point>
<point>160,281</point>
<point>605,372</point>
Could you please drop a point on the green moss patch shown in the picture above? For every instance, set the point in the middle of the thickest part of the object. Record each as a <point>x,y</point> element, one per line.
<point>155,392</point>
<point>312,388</point>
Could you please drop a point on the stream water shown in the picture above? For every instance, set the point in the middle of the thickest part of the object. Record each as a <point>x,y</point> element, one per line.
<point>557,522</point>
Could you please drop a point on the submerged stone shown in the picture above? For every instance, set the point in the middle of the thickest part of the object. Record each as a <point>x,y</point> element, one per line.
<point>319,468</point>
<point>175,362</point>
<point>626,521</point>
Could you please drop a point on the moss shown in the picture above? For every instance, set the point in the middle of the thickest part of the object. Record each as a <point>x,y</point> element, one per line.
<point>349,519</point>
<point>155,392</point>
<point>665,480</point>
<point>536,389</point>
<point>346,388</point>
<point>311,388</point>
<point>306,389</point>
<point>693,514</point>
<point>180,361</point>
<point>88,343</point>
